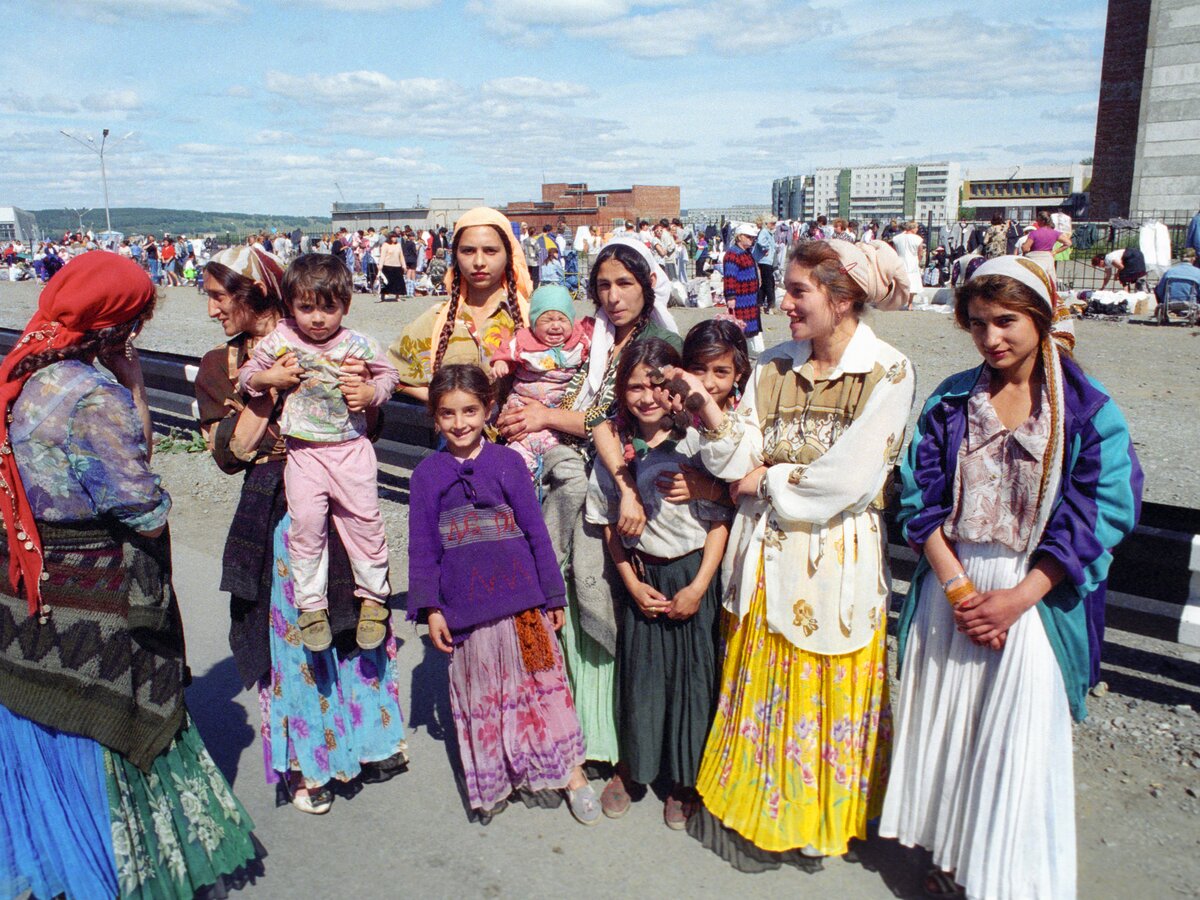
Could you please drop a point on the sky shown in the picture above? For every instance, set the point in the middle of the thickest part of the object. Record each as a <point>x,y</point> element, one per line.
<point>285,106</point>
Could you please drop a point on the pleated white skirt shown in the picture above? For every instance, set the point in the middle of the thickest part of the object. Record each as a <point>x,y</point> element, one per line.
<point>982,774</point>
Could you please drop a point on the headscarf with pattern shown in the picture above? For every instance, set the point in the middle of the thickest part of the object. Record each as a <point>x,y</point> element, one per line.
<point>876,268</point>
<point>254,263</point>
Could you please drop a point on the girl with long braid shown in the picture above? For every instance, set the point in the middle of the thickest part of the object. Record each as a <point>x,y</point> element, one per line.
<point>488,287</point>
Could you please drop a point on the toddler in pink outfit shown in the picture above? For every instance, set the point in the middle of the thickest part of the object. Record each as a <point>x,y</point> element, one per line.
<point>331,470</point>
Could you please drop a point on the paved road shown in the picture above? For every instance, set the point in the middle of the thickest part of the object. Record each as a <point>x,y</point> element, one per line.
<point>412,837</point>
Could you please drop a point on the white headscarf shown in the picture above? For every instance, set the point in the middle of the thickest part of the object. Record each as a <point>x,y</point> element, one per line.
<point>605,335</point>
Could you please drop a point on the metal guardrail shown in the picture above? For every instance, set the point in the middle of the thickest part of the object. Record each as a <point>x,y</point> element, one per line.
<point>1154,583</point>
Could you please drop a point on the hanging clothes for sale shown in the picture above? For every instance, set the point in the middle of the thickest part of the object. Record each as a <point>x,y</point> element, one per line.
<point>1154,240</point>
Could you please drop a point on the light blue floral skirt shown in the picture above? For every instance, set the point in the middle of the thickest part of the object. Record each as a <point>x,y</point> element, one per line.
<point>323,715</point>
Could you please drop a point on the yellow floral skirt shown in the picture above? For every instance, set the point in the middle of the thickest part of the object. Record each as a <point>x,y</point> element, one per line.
<point>798,752</point>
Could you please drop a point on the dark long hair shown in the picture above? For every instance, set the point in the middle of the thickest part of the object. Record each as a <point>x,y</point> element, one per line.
<point>510,284</point>
<point>635,264</point>
<point>652,352</point>
<point>100,343</point>
<point>715,337</point>
<point>246,292</point>
<point>461,377</point>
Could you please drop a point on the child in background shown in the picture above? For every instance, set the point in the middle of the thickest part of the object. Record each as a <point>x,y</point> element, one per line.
<point>544,358</point>
<point>482,569</point>
<point>331,467</point>
<point>667,638</point>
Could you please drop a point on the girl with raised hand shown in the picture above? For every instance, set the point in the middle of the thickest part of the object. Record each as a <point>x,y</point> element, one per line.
<point>1020,480</point>
<point>667,638</point>
<point>483,573</point>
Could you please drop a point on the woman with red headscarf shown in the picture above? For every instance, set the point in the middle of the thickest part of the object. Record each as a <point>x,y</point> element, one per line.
<point>107,787</point>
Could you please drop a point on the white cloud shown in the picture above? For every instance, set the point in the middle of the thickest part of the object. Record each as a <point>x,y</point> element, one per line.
<point>965,57</point>
<point>361,6</point>
<point>363,90</point>
<point>659,28</point>
<point>120,12</point>
<point>778,122</point>
<point>857,111</point>
<point>113,102</point>
<point>526,88</point>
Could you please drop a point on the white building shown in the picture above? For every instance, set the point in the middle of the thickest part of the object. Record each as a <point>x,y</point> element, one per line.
<point>1019,192</point>
<point>18,225</point>
<point>905,192</point>
<point>441,211</point>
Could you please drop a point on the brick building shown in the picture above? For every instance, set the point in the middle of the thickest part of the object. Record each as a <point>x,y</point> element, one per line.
<point>1147,152</point>
<point>577,204</point>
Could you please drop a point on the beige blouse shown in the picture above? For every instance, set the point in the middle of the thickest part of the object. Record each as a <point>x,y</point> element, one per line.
<point>998,475</point>
<point>829,443</point>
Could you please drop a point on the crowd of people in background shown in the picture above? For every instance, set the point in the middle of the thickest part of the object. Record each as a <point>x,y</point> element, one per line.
<point>663,554</point>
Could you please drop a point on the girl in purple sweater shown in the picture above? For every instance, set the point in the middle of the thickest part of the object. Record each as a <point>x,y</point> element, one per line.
<point>483,572</point>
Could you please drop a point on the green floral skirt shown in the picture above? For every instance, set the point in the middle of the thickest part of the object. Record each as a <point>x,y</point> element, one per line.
<point>178,827</point>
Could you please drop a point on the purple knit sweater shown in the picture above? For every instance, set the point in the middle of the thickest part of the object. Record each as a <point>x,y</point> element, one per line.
<point>478,549</point>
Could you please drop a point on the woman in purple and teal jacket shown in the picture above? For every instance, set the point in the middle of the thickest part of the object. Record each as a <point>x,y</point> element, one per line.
<point>1020,479</point>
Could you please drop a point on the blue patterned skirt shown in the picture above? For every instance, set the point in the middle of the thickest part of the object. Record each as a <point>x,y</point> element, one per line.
<point>324,715</point>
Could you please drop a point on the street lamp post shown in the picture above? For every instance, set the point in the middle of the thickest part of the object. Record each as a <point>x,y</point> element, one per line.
<point>99,151</point>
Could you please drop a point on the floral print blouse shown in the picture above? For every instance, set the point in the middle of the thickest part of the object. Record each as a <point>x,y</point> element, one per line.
<point>999,474</point>
<point>79,446</point>
<point>412,352</point>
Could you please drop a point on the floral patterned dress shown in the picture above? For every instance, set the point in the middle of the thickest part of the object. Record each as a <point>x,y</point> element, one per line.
<point>324,715</point>
<point>78,818</point>
<point>797,754</point>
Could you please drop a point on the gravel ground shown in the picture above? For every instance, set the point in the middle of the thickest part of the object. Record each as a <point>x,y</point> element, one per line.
<point>1137,757</point>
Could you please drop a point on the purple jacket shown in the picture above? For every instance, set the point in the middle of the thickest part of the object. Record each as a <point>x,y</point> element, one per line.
<point>478,549</point>
<point>1098,504</point>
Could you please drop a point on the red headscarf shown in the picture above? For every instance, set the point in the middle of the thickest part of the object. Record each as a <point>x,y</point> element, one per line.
<point>94,291</point>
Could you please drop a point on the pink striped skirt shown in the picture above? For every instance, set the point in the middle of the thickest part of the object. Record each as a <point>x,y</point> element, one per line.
<point>517,730</point>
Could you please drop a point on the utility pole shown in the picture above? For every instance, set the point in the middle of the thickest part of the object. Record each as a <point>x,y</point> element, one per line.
<point>99,151</point>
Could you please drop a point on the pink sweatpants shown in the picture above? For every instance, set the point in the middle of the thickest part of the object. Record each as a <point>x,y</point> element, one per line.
<point>339,481</point>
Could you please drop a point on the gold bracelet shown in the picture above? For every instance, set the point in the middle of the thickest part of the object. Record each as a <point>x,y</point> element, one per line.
<point>957,595</point>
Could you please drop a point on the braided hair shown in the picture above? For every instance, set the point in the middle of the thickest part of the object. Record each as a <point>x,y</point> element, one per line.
<point>99,343</point>
<point>511,305</point>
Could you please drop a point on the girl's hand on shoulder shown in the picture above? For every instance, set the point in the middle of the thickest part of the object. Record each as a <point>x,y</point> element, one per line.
<point>439,632</point>
<point>557,618</point>
<point>685,603</point>
<point>651,602</point>
<point>748,485</point>
<point>688,483</point>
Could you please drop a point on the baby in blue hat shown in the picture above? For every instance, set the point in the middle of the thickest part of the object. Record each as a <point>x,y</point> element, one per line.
<point>542,360</point>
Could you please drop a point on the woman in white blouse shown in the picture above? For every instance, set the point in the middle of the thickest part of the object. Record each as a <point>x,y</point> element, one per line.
<point>797,755</point>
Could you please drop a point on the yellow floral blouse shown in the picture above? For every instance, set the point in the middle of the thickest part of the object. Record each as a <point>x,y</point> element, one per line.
<point>830,445</point>
<point>412,352</point>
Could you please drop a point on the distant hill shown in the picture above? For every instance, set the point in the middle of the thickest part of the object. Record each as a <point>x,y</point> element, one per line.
<point>145,220</point>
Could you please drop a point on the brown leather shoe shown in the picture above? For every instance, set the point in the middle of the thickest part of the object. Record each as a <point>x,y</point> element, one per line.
<point>615,799</point>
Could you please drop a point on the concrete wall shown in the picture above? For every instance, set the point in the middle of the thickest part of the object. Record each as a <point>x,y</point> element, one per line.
<point>1121,76</point>
<point>1166,171</point>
